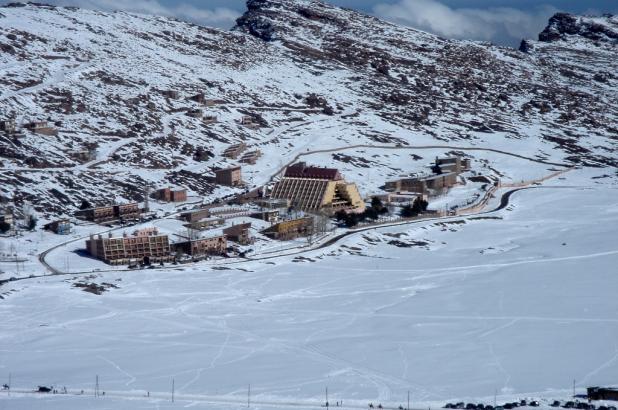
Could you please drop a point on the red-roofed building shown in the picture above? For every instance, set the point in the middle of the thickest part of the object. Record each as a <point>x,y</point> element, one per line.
<point>301,170</point>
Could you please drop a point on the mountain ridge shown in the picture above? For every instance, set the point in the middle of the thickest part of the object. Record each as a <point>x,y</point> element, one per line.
<point>323,75</point>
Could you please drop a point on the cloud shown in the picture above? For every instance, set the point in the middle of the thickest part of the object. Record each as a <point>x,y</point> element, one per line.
<point>221,17</point>
<point>503,25</point>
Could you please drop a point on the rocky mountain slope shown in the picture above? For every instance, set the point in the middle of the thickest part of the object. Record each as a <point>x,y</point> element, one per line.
<point>308,74</point>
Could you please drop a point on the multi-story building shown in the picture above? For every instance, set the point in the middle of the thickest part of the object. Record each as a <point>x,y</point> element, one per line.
<point>205,224</point>
<point>196,248</point>
<point>317,189</point>
<point>239,233</point>
<point>453,164</point>
<point>229,176</point>
<point>144,246</point>
<point>268,215</point>
<point>290,229</point>
<point>60,227</point>
<point>423,185</point>
<point>171,195</point>
<point>102,214</point>
<point>197,215</point>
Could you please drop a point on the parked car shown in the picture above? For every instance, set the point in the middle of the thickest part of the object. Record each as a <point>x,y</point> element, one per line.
<point>556,403</point>
<point>534,403</point>
<point>460,405</point>
<point>568,405</point>
<point>508,406</point>
<point>470,406</point>
<point>489,407</point>
<point>452,406</point>
<point>523,403</point>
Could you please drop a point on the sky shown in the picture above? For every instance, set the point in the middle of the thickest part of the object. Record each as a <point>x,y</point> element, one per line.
<point>499,21</point>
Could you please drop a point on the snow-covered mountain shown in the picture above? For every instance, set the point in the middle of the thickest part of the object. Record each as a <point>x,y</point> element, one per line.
<point>311,75</point>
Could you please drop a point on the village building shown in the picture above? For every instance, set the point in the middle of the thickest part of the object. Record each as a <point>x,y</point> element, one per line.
<point>7,218</point>
<point>84,155</point>
<point>127,212</point>
<point>239,233</point>
<point>425,185</point>
<point>41,127</point>
<point>195,113</point>
<point>452,164</point>
<point>268,215</point>
<point>317,189</point>
<point>59,227</point>
<point>227,212</point>
<point>251,157</point>
<point>602,393</point>
<point>198,98</point>
<point>290,229</point>
<point>144,246</point>
<point>8,126</point>
<point>229,176</point>
<point>171,195</point>
<point>210,102</point>
<point>399,198</point>
<point>209,119</point>
<point>194,216</point>
<point>272,203</point>
<point>249,122</point>
<point>112,213</point>
<point>197,248</point>
<point>204,224</point>
<point>234,151</point>
<point>172,94</point>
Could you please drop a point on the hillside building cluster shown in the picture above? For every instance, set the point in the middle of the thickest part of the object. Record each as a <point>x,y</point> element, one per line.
<point>445,172</point>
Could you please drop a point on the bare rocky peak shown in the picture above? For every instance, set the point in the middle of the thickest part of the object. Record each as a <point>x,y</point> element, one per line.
<point>563,25</point>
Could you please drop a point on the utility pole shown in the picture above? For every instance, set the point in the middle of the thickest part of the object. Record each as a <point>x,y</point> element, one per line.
<point>9,384</point>
<point>327,397</point>
<point>249,396</point>
<point>408,408</point>
<point>573,387</point>
<point>96,386</point>
<point>173,388</point>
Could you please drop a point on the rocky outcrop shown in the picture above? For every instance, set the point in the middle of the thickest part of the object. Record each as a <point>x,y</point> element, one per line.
<point>562,25</point>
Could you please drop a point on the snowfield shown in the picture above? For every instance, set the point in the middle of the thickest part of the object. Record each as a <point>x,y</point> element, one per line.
<point>513,298</point>
<point>520,301</point>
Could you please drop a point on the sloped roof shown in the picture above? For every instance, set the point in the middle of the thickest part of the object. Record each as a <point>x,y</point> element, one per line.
<point>302,171</point>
